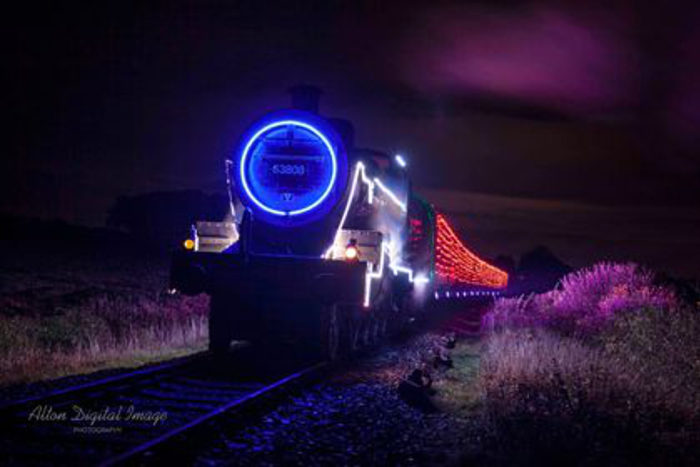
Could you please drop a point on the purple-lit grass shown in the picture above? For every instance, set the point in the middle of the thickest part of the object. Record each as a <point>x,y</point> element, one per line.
<point>607,366</point>
<point>585,302</point>
<point>108,329</point>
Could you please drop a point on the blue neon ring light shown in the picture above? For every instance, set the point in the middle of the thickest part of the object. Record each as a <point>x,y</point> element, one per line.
<point>265,129</point>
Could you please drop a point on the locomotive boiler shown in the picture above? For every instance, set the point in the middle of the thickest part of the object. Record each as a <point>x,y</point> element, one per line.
<point>325,242</point>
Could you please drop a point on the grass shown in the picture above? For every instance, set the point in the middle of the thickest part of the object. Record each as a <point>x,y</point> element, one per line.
<point>604,370</point>
<point>64,313</point>
<point>457,391</point>
<point>104,333</point>
<point>553,399</point>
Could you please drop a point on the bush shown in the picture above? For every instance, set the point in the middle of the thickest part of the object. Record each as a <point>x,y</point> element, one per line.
<point>585,302</point>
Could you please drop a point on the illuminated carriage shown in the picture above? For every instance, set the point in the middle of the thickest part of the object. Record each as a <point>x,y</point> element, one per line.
<point>325,242</point>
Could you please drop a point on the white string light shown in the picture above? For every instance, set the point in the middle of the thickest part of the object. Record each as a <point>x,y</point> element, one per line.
<point>361,174</point>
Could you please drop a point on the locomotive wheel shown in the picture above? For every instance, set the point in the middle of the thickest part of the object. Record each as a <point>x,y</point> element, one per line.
<point>330,332</point>
<point>383,325</point>
<point>370,332</point>
<point>220,332</point>
<point>375,331</point>
<point>365,332</point>
<point>354,328</point>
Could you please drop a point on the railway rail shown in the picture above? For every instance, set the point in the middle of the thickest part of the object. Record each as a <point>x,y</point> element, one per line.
<point>123,418</point>
<point>178,404</point>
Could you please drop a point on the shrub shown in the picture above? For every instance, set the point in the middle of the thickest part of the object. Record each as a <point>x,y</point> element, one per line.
<point>585,301</point>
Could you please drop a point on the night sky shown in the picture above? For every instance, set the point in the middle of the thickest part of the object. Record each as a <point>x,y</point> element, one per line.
<point>528,122</point>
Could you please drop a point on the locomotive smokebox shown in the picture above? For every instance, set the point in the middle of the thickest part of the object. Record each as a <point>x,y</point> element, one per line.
<point>290,169</point>
<point>305,97</point>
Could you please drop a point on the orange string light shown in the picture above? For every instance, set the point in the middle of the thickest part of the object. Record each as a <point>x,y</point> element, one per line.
<point>454,262</point>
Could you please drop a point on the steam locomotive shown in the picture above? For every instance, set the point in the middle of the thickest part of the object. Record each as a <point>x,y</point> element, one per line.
<point>324,242</point>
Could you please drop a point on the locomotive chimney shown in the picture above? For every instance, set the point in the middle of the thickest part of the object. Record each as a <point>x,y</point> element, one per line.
<point>305,97</point>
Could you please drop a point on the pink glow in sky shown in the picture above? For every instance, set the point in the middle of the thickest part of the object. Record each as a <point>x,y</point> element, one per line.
<point>537,55</point>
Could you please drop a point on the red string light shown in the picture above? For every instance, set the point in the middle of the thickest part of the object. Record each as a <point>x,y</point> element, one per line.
<point>454,263</point>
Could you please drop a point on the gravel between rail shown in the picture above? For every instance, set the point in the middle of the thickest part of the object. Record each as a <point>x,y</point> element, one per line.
<point>133,412</point>
<point>354,418</point>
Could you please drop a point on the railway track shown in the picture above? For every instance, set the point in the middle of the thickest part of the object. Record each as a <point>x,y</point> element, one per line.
<point>157,414</point>
<point>125,418</point>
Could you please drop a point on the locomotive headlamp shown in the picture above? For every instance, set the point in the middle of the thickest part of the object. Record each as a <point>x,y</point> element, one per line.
<point>351,251</point>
